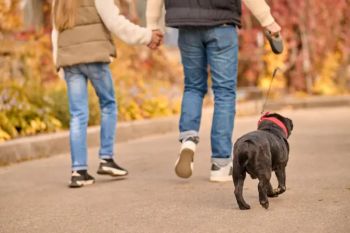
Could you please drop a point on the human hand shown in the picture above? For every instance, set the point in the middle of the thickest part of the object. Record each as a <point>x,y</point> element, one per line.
<point>61,73</point>
<point>273,29</point>
<point>274,37</point>
<point>157,39</point>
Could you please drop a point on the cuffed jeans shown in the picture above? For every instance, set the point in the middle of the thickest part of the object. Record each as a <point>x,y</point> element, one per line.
<point>216,47</point>
<point>77,77</point>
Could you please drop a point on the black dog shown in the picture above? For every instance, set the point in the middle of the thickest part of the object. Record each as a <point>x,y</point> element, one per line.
<point>259,153</point>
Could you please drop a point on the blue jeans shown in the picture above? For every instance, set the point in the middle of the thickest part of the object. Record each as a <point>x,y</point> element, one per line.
<point>77,77</point>
<point>216,47</point>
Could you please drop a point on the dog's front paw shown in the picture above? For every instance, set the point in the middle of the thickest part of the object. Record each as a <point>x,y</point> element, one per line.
<point>265,204</point>
<point>279,190</point>
<point>244,206</point>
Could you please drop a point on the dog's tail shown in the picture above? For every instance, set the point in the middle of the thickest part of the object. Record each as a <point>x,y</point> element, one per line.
<point>244,152</point>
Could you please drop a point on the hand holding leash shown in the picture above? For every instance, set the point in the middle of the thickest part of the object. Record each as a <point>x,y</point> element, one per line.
<point>273,35</point>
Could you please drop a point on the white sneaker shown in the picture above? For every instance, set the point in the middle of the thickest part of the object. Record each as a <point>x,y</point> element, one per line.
<point>221,174</point>
<point>184,164</point>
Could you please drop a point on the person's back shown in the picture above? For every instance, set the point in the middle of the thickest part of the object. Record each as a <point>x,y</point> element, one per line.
<point>88,41</point>
<point>207,13</point>
<point>203,13</point>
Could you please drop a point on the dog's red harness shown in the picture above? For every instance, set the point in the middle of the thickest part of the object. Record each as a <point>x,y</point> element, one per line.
<point>274,120</point>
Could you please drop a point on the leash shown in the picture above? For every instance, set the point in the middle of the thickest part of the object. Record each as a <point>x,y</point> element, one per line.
<point>268,92</point>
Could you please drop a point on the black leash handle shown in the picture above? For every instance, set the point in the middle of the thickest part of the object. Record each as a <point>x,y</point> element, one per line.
<point>276,42</point>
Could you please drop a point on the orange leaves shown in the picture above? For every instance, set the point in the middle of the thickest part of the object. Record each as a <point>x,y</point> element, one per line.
<point>313,31</point>
<point>34,100</point>
<point>9,15</point>
<point>325,83</point>
<point>148,84</point>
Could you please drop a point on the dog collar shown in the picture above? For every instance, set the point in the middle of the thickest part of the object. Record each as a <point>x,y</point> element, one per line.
<point>276,121</point>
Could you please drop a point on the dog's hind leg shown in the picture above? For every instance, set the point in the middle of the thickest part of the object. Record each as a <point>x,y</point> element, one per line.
<point>263,186</point>
<point>270,191</point>
<point>281,177</point>
<point>238,179</point>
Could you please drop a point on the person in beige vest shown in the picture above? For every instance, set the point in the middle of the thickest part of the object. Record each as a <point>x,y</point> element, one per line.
<point>83,48</point>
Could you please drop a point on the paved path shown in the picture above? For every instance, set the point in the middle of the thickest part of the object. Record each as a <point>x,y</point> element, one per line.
<point>34,196</point>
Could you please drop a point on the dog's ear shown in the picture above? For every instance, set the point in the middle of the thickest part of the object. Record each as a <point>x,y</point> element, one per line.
<point>286,121</point>
<point>289,125</point>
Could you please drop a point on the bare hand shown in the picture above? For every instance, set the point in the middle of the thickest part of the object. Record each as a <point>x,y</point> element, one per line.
<point>157,39</point>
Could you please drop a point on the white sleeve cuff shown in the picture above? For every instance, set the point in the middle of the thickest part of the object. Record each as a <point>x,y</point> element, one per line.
<point>119,25</point>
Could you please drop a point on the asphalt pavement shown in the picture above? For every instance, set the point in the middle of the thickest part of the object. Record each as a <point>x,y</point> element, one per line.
<point>34,196</point>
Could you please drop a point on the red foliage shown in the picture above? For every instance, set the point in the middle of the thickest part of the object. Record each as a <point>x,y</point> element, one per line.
<point>311,30</point>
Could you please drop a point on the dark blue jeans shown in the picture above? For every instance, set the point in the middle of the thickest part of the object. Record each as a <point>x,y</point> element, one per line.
<point>216,47</point>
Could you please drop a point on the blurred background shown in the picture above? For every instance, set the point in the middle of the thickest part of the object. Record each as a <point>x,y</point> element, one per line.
<point>33,100</point>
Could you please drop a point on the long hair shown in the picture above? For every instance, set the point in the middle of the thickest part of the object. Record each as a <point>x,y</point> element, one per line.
<point>64,14</point>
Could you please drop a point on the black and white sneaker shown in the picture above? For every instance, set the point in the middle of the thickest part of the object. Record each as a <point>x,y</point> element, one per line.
<point>80,179</point>
<point>109,167</point>
<point>221,174</point>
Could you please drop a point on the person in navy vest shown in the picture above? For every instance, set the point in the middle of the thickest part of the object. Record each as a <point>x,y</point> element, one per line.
<point>208,38</point>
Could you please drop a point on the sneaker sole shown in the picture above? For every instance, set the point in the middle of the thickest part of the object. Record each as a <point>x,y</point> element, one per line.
<point>220,179</point>
<point>80,184</point>
<point>111,172</point>
<point>183,166</point>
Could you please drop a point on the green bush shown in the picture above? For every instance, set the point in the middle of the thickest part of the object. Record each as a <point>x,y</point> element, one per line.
<point>23,111</point>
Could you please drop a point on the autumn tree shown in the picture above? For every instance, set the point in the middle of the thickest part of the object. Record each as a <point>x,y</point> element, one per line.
<point>316,36</point>
<point>10,18</point>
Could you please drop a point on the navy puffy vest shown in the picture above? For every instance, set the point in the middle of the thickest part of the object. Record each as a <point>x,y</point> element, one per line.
<point>180,13</point>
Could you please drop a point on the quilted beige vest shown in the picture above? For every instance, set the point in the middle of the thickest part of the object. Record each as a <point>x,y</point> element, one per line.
<point>88,41</point>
